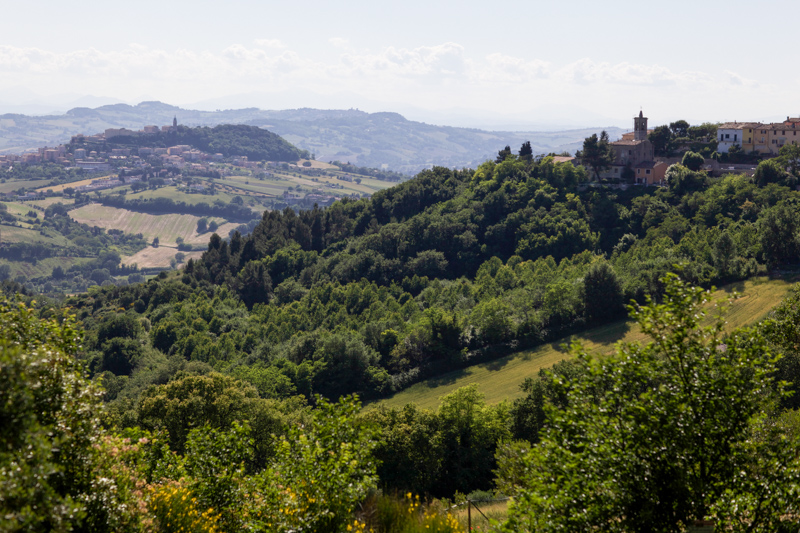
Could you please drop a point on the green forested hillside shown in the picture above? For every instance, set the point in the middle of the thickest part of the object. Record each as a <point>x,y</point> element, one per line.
<point>214,378</point>
<point>229,140</point>
<point>446,270</point>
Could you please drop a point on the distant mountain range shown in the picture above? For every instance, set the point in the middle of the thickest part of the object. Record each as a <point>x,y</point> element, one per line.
<point>378,140</point>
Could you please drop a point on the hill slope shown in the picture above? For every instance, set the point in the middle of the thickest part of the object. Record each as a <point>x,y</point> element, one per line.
<point>366,139</point>
<point>499,380</point>
<point>441,272</point>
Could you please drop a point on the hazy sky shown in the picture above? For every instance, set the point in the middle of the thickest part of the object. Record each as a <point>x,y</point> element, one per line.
<point>699,60</point>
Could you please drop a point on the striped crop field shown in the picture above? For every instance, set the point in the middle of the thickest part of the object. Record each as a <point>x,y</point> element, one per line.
<point>500,379</point>
<point>166,227</point>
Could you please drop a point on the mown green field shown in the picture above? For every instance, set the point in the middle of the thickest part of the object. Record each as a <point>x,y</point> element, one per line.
<point>166,227</point>
<point>500,379</point>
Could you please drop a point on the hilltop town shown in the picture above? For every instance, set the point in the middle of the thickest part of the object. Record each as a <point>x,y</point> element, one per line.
<point>125,158</point>
<point>153,157</point>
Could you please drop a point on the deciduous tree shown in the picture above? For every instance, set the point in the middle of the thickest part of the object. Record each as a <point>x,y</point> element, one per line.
<point>656,437</point>
<point>597,153</point>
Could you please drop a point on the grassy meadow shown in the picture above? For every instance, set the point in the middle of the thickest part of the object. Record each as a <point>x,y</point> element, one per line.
<point>495,511</point>
<point>500,379</point>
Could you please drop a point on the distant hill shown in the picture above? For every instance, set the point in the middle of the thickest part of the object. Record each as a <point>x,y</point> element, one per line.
<point>229,140</point>
<point>365,139</point>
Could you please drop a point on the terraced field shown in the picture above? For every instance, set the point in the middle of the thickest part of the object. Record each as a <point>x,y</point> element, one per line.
<point>500,379</point>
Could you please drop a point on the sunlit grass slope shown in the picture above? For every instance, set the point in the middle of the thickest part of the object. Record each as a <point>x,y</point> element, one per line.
<point>500,379</point>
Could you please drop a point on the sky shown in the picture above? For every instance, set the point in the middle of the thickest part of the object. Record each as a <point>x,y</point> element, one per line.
<point>566,62</point>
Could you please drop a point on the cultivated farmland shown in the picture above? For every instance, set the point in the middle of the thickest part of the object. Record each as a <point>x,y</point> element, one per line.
<point>166,227</point>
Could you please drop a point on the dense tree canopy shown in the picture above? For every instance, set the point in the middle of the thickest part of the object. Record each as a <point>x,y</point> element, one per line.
<point>656,437</point>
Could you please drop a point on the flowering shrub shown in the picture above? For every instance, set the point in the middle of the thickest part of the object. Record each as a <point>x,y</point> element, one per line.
<point>175,510</point>
<point>321,471</point>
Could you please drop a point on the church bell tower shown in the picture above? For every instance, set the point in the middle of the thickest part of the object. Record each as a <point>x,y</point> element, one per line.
<point>640,127</point>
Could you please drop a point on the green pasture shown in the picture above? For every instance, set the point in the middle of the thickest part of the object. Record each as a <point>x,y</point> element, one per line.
<point>500,379</point>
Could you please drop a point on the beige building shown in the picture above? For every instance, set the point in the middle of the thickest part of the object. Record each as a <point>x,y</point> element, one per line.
<point>651,172</point>
<point>782,134</point>
<point>634,148</point>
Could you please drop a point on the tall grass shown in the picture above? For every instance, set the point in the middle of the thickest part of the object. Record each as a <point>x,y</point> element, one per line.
<point>389,514</point>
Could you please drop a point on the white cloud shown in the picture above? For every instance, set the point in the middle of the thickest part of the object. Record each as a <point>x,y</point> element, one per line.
<point>441,60</point>
<point>587,72</point>
<point>736,79</point>
<point>339,42</point>
<point>270,43</point>
<point>508,69</point>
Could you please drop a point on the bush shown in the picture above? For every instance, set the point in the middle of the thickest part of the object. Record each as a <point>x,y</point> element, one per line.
<point>175,509</point>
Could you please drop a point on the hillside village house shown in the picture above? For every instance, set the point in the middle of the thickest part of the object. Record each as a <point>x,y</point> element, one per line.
<point>765,139</point>
<point>635,151</point>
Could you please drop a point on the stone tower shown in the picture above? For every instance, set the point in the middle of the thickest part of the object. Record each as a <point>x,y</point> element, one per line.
<point>640,128</point>
<point>175,121</point>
